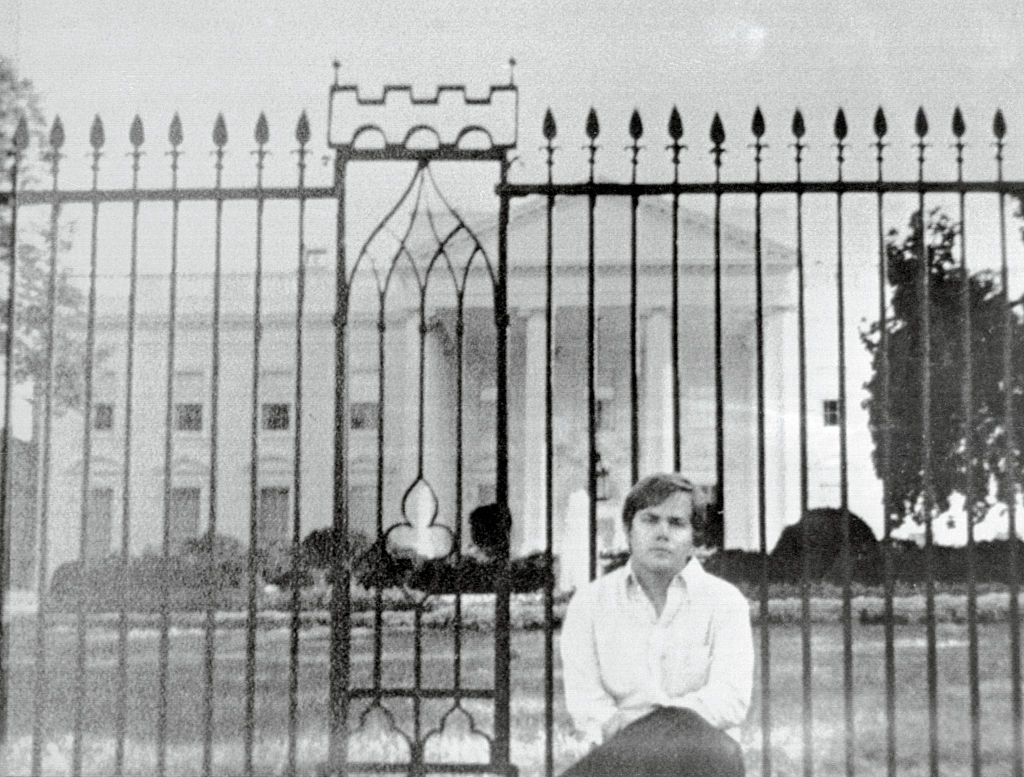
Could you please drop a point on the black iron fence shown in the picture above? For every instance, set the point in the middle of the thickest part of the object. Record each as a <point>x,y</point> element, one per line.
<point>180,430</point>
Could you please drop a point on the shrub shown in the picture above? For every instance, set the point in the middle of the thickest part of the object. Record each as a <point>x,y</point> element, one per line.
<point>823,528</point>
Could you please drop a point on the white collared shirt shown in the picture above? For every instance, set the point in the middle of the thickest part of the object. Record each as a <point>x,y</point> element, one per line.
<point>618,655</point>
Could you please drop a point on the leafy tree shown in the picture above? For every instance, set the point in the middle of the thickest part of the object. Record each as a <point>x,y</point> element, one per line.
<point>36,245</point>
<point>964,462</point>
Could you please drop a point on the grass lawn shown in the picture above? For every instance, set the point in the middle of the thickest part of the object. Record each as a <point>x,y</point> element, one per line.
<point>458,740</point>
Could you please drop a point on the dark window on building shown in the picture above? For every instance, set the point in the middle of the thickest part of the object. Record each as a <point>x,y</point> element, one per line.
<point>188,417</point>
<point>364,415</point>
<point>277,416</point>
<point>830,412</point>
<point>103,417</point>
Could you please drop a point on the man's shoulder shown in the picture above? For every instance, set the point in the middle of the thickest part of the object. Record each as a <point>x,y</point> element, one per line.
<point>721,589</point>
<point>603,586</point>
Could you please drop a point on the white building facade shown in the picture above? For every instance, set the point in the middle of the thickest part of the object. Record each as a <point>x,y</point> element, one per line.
<point>432,458</point>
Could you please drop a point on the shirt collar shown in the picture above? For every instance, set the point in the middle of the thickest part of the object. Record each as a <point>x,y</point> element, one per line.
<point>688,576</point>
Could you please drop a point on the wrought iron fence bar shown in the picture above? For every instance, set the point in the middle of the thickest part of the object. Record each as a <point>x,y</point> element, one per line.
<point>928,490</point>
<point>298,564</point>
<point>210,626</point>
<point>40,197</point>
<point>807,708</point>
<point>885,458</point>
<point>408,692</point>
<point>636,128</point>
<point>81,679</point>
<point>378,596</point>
<point>438,767</point>
<point>607,188</point>
<point>164,644</point>
<point>970,503</point>
<point>460,433</point>
<point>120,725</point>
<point>762,495</point>
<point>549,482</point>
<point>5,458</point>
<point>341,605</point>
<point>718,137</point>
<point>592,346</point>
<point>844,481</point>
<point>256,538</point>
<point>1011,464</point>
<point>40,686</point>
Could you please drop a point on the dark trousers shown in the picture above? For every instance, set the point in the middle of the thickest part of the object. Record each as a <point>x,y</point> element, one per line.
<point>668,742</point>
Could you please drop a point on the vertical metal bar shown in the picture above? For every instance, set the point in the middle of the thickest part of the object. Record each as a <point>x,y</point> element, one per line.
<point>96,140</point>
<point>41,686</point>
<point>298,565</point>
<point>718,138</point>
<point>255,540</point>
<point>970,501</point>
<point>549,477</point>
<point>1010,489</point>
<point>924,292</point>
<point>502,635</point>
<point>884,456</point>
<point>805,571</point>
<point>164,645</point>
<point>120,725</point>
<point>635,130</point>
<point>341,608</point>
<point>592,345</point>
<point>5,458</point>
<point>460,334</point>
<point>378,599</point>
<point>840,130</point>
<point>762,497</point>
<point>210,626</point>
<point>675,131</point>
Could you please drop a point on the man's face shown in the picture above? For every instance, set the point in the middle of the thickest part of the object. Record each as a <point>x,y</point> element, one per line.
<point>661,537</point>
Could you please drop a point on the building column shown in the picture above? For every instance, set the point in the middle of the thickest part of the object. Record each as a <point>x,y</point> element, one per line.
<point>782,427</point>
<point>533,536</point>
<point>656,424</point>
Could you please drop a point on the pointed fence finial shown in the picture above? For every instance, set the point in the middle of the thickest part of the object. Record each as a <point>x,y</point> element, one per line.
<point>175,135</point>
<point>798,128</point>
<point>56,134</point>
<point>302,133</point>
<point>757,123</point>
<point>220,131</point>
<point>262,133</point>
<point>717,131</point>
<point>999,125</point>
<point>550,129</point>
<point>636,126</point>
<point>675,125</point>
<point>839,127</point>
<point>880,127</point>
<point>959,127</point>
<point>20,140</point>
<point>593,127</point>
<point>336,64</point>
<point>136,135</point>
<point>512,71</point>
<point>96,134</point>
<point>920,123</point>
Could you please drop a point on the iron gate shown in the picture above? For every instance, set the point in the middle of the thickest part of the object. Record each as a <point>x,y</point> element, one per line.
<point>417,457</point>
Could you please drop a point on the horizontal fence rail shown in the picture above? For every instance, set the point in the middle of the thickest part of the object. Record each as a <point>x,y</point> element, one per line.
<point>511,358</point>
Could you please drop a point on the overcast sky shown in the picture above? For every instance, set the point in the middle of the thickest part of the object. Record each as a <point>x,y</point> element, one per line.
<point>201,57</point>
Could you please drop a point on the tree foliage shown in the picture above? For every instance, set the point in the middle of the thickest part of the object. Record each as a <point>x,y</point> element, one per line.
<point>961,459</point>
<point>37,244</point>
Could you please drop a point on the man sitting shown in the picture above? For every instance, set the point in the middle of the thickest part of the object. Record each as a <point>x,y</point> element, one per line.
<point>658,655</point>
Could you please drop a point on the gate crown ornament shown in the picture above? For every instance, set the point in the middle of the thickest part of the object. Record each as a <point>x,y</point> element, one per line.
<point>398,120</point>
